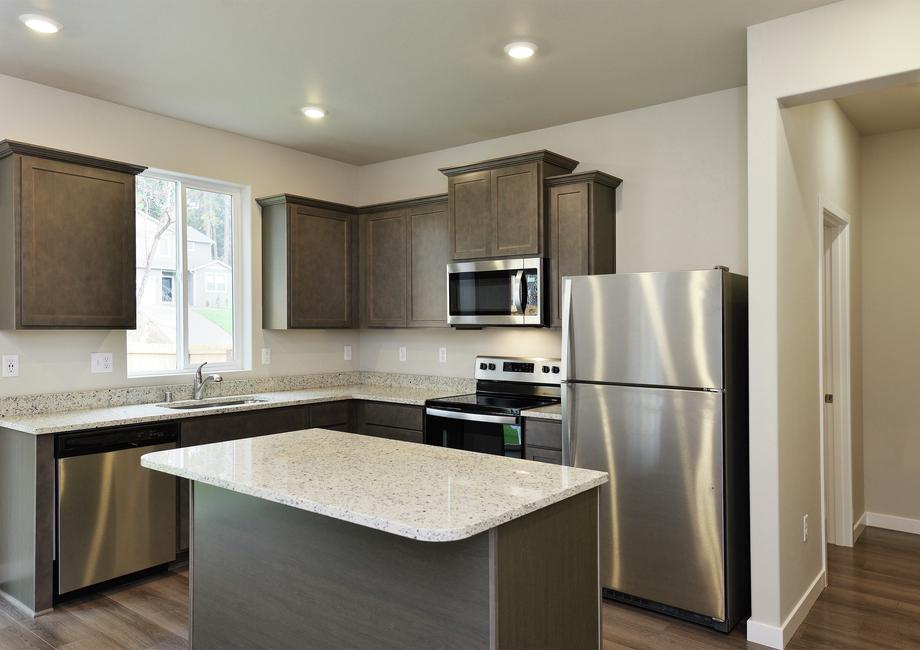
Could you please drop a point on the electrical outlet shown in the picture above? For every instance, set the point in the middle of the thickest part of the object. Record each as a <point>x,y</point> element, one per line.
<point>347,353</point>
<point>10,365</point>
<point>100,362</point>
<point>805,529</point>
<point>266,356</point>
<point>442,355</point>
<point>402,353</point>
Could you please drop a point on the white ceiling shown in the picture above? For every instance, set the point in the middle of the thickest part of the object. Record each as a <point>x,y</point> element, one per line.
<point>881,111</point>
<point>397,77</point>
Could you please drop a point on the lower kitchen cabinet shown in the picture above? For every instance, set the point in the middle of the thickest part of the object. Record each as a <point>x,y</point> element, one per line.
<point>385,420</point>
<point>543,440</point>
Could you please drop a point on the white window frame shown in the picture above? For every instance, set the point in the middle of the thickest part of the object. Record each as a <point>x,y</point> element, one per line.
<point>172,276</point>
<point>182,276</point>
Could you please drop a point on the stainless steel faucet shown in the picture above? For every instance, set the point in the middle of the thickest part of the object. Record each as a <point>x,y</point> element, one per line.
<point>198,383</point>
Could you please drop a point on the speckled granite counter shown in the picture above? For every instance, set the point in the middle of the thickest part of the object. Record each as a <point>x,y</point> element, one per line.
<point>141,413</point>
<point>417,491</point>
<point>551,412</point>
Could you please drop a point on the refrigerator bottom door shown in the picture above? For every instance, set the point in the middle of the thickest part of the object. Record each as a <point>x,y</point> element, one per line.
<point>661,514</point>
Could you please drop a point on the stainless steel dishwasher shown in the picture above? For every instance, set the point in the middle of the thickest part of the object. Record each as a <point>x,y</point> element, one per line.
<point>114,517</point>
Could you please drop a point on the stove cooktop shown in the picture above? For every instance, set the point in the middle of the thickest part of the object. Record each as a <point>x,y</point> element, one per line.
<point>490,403</point>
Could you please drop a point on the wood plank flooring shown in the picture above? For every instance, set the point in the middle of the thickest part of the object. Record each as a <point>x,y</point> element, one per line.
<point>872,601</point>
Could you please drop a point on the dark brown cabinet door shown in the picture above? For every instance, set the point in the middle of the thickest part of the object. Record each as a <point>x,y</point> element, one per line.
<point>77,243</point>
<point>383,238</point>
<point>429,253</point>
<point>471,222</point>
<point>321,271</point>
<point>568,226</point>
<point>517,210</point>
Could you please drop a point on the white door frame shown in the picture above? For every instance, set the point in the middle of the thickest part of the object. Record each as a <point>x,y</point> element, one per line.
<point>837,525</point>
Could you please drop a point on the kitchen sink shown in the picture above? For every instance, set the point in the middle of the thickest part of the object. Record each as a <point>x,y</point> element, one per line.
<point>192,404</point>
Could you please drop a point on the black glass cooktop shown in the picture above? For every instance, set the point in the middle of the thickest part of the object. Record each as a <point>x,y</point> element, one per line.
<point>487,403</point>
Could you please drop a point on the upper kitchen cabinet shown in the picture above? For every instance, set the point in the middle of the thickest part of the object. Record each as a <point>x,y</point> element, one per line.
<point>404,256</point>
<point>67,229</point>
<point>496,207</point>
<point>309,263</point>
<point>582,229</point>
<point>384,268</point>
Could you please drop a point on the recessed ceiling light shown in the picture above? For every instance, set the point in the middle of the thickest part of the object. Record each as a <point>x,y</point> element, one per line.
<point>313,112</point>
<point>41,24</point>
<point>520,49</point>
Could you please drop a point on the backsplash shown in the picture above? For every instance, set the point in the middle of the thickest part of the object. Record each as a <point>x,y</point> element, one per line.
<point>18,405</point>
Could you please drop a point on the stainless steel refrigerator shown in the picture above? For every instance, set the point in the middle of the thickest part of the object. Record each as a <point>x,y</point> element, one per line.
<point>655,393</point>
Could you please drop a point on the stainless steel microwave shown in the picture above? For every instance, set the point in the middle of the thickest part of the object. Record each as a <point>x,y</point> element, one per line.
<point>495,292</point>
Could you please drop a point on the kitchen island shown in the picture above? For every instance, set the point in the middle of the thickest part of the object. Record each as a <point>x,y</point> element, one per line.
<point>319,538</point>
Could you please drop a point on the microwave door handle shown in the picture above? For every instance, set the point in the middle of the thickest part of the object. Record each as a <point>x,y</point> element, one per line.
<point>522,291</point>
<point>516,281</point>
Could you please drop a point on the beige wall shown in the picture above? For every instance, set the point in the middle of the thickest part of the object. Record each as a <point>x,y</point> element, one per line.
<point>891,318</point>
<point>681,205</point>
<point>818,157</point>
<point>42,115</point>
<point>810,56</point>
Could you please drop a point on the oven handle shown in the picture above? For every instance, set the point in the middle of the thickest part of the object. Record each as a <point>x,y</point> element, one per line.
<point>475,417</point>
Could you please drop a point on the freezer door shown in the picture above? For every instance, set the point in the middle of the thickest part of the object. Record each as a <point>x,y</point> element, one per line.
<point>657,329</point>
<point>661,514</point>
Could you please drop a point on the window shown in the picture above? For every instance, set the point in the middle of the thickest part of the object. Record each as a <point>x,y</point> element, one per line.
<point>188,275</point>
<point>166,286</point>
<point>215,282</point>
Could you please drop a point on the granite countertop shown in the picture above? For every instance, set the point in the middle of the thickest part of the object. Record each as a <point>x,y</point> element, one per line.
<point>141,413</point>
<point>551,412</point>
<point>417,491</point>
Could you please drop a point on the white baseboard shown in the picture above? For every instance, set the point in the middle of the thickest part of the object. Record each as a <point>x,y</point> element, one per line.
<point>859,527</point>
<point>893,522</point>
<point>777,637</point>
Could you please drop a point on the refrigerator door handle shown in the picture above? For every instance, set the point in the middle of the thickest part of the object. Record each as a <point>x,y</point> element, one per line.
<point>568,341</point>
<point>569,428</point>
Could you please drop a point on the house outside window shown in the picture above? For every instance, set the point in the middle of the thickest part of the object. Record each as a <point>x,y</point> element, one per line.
<point>188,271</point>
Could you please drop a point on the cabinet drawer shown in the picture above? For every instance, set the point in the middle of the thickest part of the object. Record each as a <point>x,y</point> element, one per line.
<point>543,433</point>
<point>401,416</point>
<point>330,414</point>
<point>552,456</point>
<point>393,433</point>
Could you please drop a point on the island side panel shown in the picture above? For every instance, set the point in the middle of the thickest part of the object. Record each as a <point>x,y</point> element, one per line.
<point>27,519</point>
<point>547,582</point>
<point>266,575</point>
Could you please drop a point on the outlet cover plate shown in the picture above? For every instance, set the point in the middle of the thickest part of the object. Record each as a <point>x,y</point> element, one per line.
<point>266,356</point>
<point>402,353</point>
<point>100,362</point>
<point>347,353</point>
<point>442,355</point>
<point>10,365</point>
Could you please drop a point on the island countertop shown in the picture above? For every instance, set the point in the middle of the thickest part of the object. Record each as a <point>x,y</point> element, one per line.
<point>422,492</point>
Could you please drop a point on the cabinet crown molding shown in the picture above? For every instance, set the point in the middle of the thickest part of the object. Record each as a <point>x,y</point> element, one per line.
<point>10,147</point>
<point>403,204</point>
<point>593,176</point>
<point>307,201</point>
<point>542,155</point>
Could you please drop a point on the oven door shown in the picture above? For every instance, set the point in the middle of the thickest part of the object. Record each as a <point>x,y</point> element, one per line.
<point>485,433</point>
<point>495,292</point>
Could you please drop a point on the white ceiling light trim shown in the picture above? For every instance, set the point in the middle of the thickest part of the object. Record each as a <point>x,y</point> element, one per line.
<point>41,24</point>
<point>520,49</point>
<point>313,112</point>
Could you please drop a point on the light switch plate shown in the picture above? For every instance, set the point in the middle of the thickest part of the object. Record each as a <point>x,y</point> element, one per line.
<point>402,353</point>
<point>266,356</point>
<point>100,362</point>
<point>10,365</point>
<point>347,353</point>
<point>442,355</point>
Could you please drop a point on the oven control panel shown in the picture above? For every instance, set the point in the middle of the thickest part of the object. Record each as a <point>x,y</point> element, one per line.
<point>529,370</point>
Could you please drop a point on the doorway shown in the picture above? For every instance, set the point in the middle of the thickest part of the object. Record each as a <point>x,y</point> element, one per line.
<point>834,323</point>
